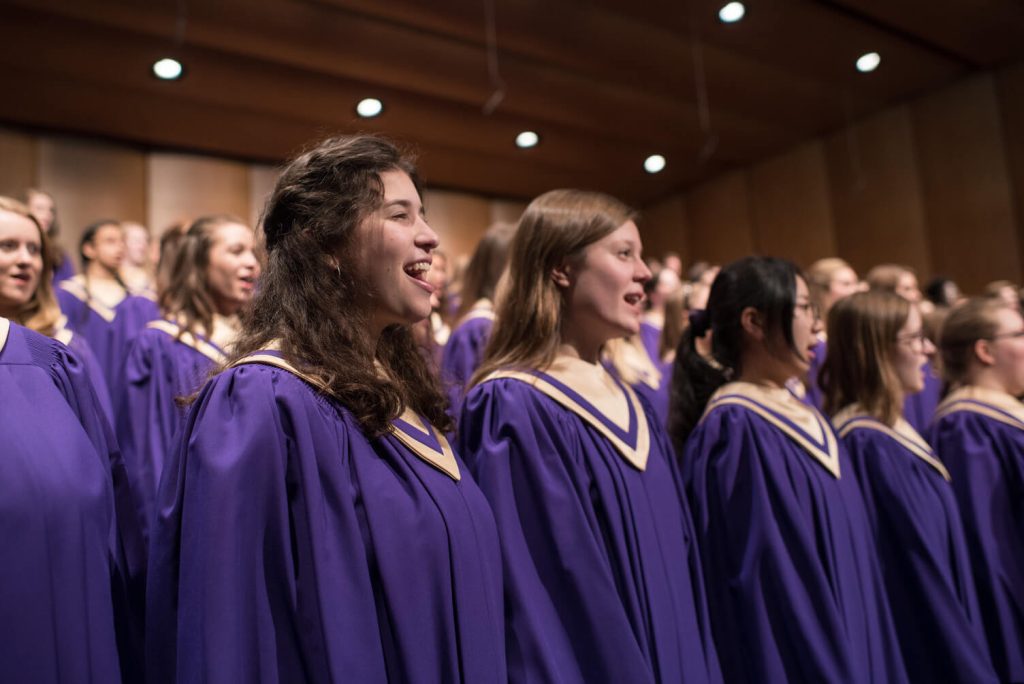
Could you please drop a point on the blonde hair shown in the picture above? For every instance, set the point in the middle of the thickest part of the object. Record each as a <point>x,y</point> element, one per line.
<point>859,369</point>
<point>41,313</point>
<point>820,276</point>
<point>553,231</point>
<point>886,277</point>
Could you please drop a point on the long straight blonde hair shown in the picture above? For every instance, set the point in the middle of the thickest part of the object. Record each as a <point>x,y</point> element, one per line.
<point>553,232</point>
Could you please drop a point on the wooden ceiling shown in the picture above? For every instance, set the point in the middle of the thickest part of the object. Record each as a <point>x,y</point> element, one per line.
<point>604,82</point>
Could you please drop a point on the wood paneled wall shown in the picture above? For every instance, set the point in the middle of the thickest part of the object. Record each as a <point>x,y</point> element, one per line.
<point>936,183</point>
<point>93,179</point>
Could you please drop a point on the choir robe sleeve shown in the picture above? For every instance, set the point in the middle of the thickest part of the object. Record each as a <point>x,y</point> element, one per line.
<point>565,621</point>
<point>81,348</point>
<point>127,550</point>
<point>986,462</point>
<point>775,612</point>
<point>924,559</point>
<point>461,357</point>
<point>225,601</point>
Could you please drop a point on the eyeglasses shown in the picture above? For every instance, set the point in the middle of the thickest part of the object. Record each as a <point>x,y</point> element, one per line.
<point>809,309</point>
<point>916,339</point>
<point>1014,335</point>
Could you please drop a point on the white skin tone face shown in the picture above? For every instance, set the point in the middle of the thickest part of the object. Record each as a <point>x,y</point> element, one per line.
<point>233,268</point>
<point>843,284</point>
<point>105,252</point>
<point>999,362</point>
<point>42,208</point>
<point>136,242</point>
<point>394,255</point>
<point>907,288</point>
<point>21,261</point>
<point>771,361</point>
<point>1009,297</point>
<point>604,291</point>
<point>911,353</point>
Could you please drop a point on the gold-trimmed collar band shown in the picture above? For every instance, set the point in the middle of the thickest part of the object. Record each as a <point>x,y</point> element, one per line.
<point>207,349</point>
<point>853,417</point>
<point>990,403</point>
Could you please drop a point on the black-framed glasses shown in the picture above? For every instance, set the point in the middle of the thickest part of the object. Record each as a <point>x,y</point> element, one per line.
<point>918,338</point>
<point>1012,335</point>
<point>809,309</point>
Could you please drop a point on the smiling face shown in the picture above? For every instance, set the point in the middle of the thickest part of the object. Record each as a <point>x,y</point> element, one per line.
<point>21,261</point>
<point>393,255</point>
<point>911,353</point>
<point>233,268</point>
<point>606,288</point>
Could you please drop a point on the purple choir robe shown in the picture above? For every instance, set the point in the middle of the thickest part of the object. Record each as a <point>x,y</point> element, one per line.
<point>603,583</point>
<point>71,549</point>
<point>463,353</point>
<point>78,345</point>
<point>794,586</point>
<point>107,331</point>
<point>922,550</point>
<point>979,435</point>
<point>650,336</point>
<point>162,365</point>
<point>65,268</point>
<point>919,409</point>
<point>290,547</point>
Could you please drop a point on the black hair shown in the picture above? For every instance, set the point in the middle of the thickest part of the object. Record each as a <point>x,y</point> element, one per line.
<point>765,283</point>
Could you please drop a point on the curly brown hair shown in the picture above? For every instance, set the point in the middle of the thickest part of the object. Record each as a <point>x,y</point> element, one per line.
<point>307,298</point>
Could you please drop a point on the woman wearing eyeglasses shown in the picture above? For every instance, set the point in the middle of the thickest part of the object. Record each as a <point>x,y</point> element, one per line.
<point>877,357</point>
<point>979,435</point>
<point>794,588</point>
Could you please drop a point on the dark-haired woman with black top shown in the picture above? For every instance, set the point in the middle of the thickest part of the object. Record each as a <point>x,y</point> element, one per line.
<point>794,587</point>
<point>314,525</point>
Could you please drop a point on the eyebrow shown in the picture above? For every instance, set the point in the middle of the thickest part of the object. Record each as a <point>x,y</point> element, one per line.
<point>406,204</point>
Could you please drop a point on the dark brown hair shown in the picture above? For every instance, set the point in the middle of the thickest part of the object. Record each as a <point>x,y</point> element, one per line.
<point>967,323</point>
<point>186,296</point>
<point>486,266</point>
<point>170,240</point>
<point>306,299</point>
<point>862,336</point>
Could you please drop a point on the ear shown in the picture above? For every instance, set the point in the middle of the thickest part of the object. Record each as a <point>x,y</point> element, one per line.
<point>89,251</point>
<point>752,323</point>
<point>983,350</point>
<point>562,275</point>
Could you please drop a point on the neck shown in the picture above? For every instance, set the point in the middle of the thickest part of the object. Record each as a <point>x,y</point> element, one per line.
<point>9,312</point>
<point>762,369</point>
<point>588,350</point>
<point>986,378</point>
<point>97,271</point>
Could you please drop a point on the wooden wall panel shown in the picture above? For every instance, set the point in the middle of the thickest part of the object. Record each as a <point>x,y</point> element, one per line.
<point>507,211</point>
<point>185,186</point>
<point>718,216</point>
<point>876,193</point>
<point>17,163</point>
<point>1010,85</point>
<point>965,182</point>
<point>791,206</point>
<point>664,228</point>
<point>262,179</point>
<point>458,219</point>
<point>91,180</point>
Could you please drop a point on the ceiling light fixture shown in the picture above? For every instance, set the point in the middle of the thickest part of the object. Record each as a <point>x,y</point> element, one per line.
<point>868,62</point>
<point>527,139</point>
<point>732,12</point>
<point>167,69</point>
<point>369,107</point>
<point>654,163</point>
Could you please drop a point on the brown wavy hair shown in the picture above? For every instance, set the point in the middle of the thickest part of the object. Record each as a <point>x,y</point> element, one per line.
<point>554,230</point>
<point>306,296</point>
<point>41,312</point>
<point>860,365</point>
<point>485,266</point>
<point>186,296</point>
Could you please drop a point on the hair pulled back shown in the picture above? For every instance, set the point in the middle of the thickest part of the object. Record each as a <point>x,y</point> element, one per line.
<point>307,295</point>
<point>764,283</point>
<point>976,319</point>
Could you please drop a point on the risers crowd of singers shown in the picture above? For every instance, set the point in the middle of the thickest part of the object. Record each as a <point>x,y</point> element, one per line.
<point>315,479</point>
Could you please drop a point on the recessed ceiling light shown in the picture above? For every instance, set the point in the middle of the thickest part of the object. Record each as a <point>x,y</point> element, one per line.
<point>167,69</point>
<point>369,107</point>
<point>527,139</point>
<point>732,12</point>
<point>868,62</point>
<point>654,163</point>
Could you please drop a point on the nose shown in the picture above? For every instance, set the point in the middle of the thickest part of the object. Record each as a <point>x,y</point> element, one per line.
<point>642,273</point>
<point>818,326</point>
<point>24,256</point>
<point>426,238</point>
<point>928,347</point>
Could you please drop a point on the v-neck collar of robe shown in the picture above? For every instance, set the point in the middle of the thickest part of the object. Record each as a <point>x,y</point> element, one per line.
<point>597,397</point>
<point>416,434</point>
<point>203,346</point>
<point>631,360</point>
<point>798,421</point>
<point>75,286</point>
<point>991,403</point>
<point>854,417</point>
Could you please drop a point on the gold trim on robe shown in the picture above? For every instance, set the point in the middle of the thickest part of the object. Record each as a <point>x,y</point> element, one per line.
<point>77,290</point>
<point>987,402</point>
<point>632,362</point>
<point>189,340</point>
<point>610,402</point>
<point>482,308</point>
<point>440,457</point>
<point>800,422</point>
<point>853,417</point>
